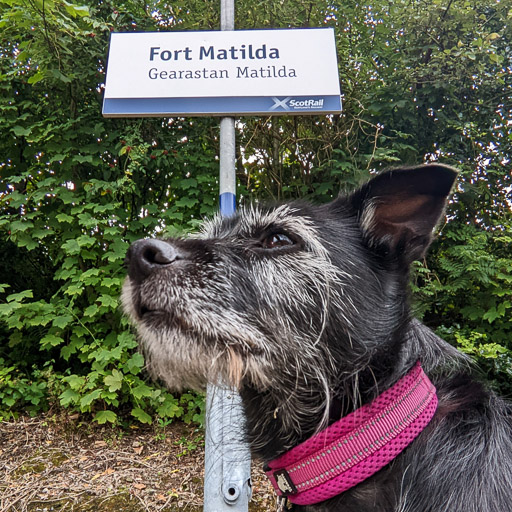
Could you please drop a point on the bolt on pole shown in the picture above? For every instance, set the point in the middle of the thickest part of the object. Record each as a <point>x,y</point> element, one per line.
<point>227,485</point>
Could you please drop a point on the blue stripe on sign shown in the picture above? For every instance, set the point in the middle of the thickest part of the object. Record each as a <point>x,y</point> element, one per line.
<point>113,107</point>
<point>227,202</point>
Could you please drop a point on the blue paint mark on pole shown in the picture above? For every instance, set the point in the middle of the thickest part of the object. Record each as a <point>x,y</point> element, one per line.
<point>227,203</point>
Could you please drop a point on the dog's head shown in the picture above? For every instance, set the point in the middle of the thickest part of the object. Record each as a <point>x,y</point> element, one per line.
<point>290,297</point>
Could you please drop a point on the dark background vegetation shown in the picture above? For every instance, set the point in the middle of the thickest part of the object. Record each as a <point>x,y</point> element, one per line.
<point>421,81</point>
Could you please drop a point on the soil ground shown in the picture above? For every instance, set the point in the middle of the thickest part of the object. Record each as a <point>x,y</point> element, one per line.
<point>64,465</point>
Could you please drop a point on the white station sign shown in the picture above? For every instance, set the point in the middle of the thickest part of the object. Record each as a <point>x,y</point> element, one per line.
<point>243,72</point>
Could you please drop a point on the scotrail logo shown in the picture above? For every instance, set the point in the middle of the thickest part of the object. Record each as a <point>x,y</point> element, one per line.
<point>297,104</point>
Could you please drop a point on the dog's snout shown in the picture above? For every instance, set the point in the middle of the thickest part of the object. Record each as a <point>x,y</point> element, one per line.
<point>146,256</point>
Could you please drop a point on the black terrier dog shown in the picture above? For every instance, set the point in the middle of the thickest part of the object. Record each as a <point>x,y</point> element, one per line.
<point>353,405</point>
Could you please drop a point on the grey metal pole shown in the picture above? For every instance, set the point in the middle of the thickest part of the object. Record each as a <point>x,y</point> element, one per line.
<point>227,477</point>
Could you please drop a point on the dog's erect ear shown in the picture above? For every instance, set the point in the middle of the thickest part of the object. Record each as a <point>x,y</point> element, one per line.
<point>399,209</point>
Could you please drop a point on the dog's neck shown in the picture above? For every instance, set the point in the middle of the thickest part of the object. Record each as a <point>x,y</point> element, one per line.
<point>271,433</point>
<point>278,421</point>
<point>354,448</point>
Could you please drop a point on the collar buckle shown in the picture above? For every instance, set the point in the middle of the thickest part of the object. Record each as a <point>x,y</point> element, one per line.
<point>284,482</point>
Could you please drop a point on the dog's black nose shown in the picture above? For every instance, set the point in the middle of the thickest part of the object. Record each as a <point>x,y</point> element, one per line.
<point>146,256</point>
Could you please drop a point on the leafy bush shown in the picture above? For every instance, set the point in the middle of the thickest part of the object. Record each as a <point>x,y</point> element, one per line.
<point>76,190</point>
<point>468,298</point>
<point>81,237</point>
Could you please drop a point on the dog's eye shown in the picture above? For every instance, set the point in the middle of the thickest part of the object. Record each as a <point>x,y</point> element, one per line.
<point>277,240</point>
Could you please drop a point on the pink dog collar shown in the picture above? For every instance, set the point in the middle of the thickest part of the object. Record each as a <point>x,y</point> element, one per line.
<point>357,446</point>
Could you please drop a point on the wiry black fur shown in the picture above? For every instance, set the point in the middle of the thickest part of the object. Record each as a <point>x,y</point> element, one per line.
<point>312,329</point>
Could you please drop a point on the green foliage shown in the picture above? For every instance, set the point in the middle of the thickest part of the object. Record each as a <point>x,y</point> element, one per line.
<point>421,82</point>
<point>18,389</point>
<point>76,190</point>
<point>468,298</point>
